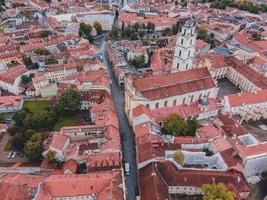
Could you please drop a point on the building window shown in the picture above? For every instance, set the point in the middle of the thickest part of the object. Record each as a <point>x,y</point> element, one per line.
<point>184,100</point>
<point>192,98</point>
<point>186,66</point>
<point>200,96</point>
<point>157,105</point>
<point>174,102</point>
<point>191,41</point>
<point>184,31</point>
<point>147,105</point>
<point>177,66</point>
<point>182,41</point>
<point>188,53</point>
<point>165,103</point>
<point>180,53</point>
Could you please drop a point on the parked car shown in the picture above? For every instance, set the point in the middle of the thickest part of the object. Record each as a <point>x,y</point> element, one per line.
<point>14,154</point>
<point>10,154</point>
<point>127,168</point>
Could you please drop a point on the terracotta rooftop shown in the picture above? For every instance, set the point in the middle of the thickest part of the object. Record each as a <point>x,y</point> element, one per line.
<point>247,98</point>
<point>163,86</point>
<point>59,141</point>
<point>104,184</point>
<point>18,186</point>
<point>10,101</point>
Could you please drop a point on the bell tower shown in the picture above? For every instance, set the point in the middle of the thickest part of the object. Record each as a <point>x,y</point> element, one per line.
<point>185,47</point>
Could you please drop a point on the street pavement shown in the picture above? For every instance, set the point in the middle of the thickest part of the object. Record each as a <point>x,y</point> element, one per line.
<point>128,145</point>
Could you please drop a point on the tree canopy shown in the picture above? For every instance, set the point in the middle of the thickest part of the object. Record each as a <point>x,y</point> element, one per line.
<point>51,156</point>
<point>139,62</point>
<point>98,27</point>
<point>179,157</point>
<point>150,26</point>
<point>175,125</point>
<point>70,101</point>
<point>34,147</point>
<point>85,31</point>
<point>42,51</point>
<point>25,80</point>
<point>26,60</point>
<point>51,60</point>
<point>216,191</point>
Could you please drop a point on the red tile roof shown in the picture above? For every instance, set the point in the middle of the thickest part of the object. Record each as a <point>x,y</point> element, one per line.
<point>18,186</point>
<point>152,185</point>
<point>12,74</point>
<point>70,165</point>
<point>8,101</point>
<point>173,84</point>
<point>59,141</point>
<point>104,184</point>
<point>247,98</point>
<point>175,177</point>
<point>247,72</point>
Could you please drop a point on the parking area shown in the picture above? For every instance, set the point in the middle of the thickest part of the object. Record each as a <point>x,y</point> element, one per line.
<point>226,88</point>
<point>5,156</point>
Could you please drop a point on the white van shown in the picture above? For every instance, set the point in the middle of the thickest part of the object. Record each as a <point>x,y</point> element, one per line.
<point>127,168</point>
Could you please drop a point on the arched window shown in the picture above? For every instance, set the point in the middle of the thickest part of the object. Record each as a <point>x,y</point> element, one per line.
<point>186,66</point>
<point>174,102</point>
<point>157,105</point>
<point>180,53</point>
<point>178,66</point>
<point>165,103</point>
<point>182,41</point>
<point>189,53</point>
<point>184,31</point>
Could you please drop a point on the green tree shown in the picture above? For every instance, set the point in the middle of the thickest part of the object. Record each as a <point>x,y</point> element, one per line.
<point>42,51</point>
<point>51,156</point>
<point>25,80</point>
<point>176,28</point>
<point>139,62</point>
<point>114,33</point>
<point>18,142</point>
<point>98,27</point>
<point>179,157</point>
<point>192,126</point>
<point>175,125</point>
<point>207,151</point>
<point>136,26</point>
<point>150,26</point>
<point>202,33</point>
<point>26,60</point>
<point>217,191</point>
<point>19,116</point>
<point>69,101</point>
<point>34,147</point>
<point>85,31</point>
<point>45,33</point>
<point>51,61</point>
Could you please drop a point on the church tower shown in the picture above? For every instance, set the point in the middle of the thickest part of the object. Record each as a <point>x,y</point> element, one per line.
<point>185,47</point>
